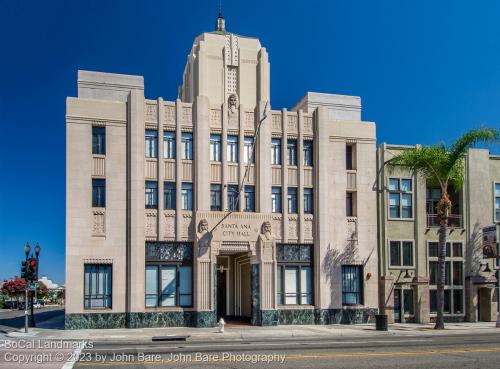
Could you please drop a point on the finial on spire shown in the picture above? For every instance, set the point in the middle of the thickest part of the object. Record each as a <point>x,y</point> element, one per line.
<point>220,24</point>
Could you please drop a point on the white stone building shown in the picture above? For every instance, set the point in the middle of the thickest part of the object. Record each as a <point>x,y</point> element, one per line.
<point>180,212</point>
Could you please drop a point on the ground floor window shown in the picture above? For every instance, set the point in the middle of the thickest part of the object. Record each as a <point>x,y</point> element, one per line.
<point>352,285</point>
<point>169,274</point>
<point>294,274</point>
<point>454,278</point>
<point>97,286</point>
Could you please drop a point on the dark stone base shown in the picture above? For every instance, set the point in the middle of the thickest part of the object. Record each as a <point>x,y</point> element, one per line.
<point>296,316</point>
<point>95,321</point>
<point>198,319</point>
<point>269,317</point>
<point>450,319</point>
<point>345,316</point>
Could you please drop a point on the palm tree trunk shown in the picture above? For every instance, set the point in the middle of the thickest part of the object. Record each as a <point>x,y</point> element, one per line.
<point>443,208</point>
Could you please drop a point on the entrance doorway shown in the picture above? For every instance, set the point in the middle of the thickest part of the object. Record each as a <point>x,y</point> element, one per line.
<point>484,304</point>
<point>233,286</point>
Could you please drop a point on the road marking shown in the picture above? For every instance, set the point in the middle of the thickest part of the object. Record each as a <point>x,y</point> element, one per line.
<point>313,356</point>
<point>73,359</point>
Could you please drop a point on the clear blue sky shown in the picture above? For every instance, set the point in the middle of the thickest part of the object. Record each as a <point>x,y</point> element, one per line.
<point>426,71</point>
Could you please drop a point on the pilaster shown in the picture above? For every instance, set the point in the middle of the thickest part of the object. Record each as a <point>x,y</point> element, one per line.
<point>178,169</point>
<point>160,171</point>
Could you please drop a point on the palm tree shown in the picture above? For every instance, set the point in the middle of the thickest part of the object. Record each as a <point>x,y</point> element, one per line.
<point>445,166</point>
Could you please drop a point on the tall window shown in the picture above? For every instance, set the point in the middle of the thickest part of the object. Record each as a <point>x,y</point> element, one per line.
<point>169,145</point>
<point>151,143</point>
<point>99,140</point>
<point>292,152</point>
<point>187,196</point>
<point>400,198</point>
<point>249,198</point>
<point>454,277</point>
<point>215,144</point>
<point>308,200</point>
<point>307,150</point>
<point>497,202</point>
<point>151,191</point>
<point>292,200</point>
<point>215,197</point>
<point>187,145</point>
<point>352,285</point>
<point>248,155</point>
<point>401,254</point>
<point>350,204</point>
<point>169,274</point>
<point>169,195</point>
<point>276,199</point>
<point>276,151</point>
<point>98,193</point>
<point>97,286</point>
<point>349,157</point>
<point>294,274</point>
<point>232,197</point>
<point>232,148</point>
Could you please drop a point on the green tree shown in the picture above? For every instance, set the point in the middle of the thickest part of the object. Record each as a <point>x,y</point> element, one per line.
<point>445,166</point>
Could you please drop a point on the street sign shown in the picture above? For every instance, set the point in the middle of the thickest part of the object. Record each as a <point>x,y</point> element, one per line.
<point>32,286</point>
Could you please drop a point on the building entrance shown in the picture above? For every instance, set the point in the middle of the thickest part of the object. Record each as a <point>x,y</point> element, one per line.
<point>233,286</point>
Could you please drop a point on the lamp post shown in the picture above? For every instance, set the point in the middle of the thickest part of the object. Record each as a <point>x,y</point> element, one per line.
<point>27,249</point>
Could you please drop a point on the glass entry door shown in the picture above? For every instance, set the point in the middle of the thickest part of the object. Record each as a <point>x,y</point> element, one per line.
<point>397,305</point>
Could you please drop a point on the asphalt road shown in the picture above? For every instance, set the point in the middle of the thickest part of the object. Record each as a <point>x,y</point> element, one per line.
<point>453,351</point>
<point>14,319</point>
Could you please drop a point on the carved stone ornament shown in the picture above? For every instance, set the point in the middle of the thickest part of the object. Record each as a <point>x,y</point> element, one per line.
<point>232,102</point>
<point>266,230</point>
<point>203,226</point>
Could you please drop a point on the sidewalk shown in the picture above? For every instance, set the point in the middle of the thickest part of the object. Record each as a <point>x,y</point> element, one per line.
<point>251,333</point>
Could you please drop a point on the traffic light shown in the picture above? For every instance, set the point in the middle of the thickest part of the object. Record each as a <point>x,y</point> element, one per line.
<point>23,270</point>
<point>31,270</point>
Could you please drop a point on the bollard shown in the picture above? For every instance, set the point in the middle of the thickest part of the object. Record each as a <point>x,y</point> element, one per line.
<point>222,323</point>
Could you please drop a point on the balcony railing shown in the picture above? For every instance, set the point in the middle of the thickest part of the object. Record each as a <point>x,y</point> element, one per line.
<point>454,220</point>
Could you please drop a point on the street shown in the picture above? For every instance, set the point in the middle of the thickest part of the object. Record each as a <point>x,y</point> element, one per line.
<point>454,351</point>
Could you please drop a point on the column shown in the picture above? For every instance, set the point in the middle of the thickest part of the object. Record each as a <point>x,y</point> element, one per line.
<point>241,163</point>
<point>284,174</point>
<point>160,171</point>
<point>201,180</point>
<point>223,150</point>
<point>178,169</point>
<point>263,161</point>
<point>300,174</point>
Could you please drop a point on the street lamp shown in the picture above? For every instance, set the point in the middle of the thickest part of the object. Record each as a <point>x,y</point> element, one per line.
<point>27,249</point>
<point>37,250</point>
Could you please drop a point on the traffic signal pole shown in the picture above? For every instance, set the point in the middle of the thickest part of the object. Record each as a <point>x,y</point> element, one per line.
<point>26,310</point>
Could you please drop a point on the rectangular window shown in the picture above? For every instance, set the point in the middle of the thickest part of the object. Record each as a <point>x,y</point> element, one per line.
<point>232,149</point>
<point>187,196</point>
<point>215,145</point>
<point>400,198</point>
<point>408,301</point>
<point>169,145</point>
<point>308,200</point>
<point>169,195</point>
<point>248,155</point>
<point>187,145</point>
<point>497,202</point>
<point>232,197</point>
<point>454,277</point>
<point>307,150</point>
<point>215,197</point>
<point>352,285</point>
<point>349,157</point>
<point>292,200</point>
<point>276,199</point>
<point>401,253</point>
<point>350,204</point>
<point>151,143</point>
<point>97,286</point>
<point>98,193</point>
<point>294,274</point>
<point>151,188</point>
<point>99,140</point>
<point>276,151</point>
<point>169,285</point>
<point>249,198</point>
<point>292,152</point>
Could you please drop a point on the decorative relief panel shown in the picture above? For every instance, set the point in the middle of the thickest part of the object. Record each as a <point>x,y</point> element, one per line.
<point>276,175</point>
<point>151,112</point>
<point>150,224</point>
<point>276,225</point>
<point>292,176</point>
<point>169,114</point>
<point>292,123</point>
<point>250,179</point>
<point>293,252</point>
<point>351,180</point>
<point>352,229</point>
<point>215,118</point>
<point>249,120</point>
<point>187,116</point>
<point>308,228</point>
<point>99,222</point>
<point>215,172</point>
<point>276,122</point>
<point>150,169</point>
<point>187,225</point>
<point>170,169</point>
<point>293,228</point>
<point>98,166</point>
<point>232,171</point>
<point>308,127</point>
<point>308,177</point>
<point>169,251</point>
<point>187,171</point>
<point>169,225</point>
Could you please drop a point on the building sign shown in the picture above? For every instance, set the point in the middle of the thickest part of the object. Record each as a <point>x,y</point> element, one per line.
<point>231,230</point>
<point>490,239</point>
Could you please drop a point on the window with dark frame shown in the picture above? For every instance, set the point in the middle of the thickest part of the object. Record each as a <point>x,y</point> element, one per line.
<point>292,200</point>
<point>292,152</point>
<point>294,274</point>
<point>99,140</point>
<point>352,285</point>
<point>187,145</point>
<point>232,148</point>
<point>248,154</point>
<point>151,148</point>
<point>169,145</point>
<point>276,151</point>
<point>400,198</point>
<point>349,158</point>
<point>276,200</point>
<point>98,193</point>
<point>215,147</point>
<point>249,199</point>
<point>308,200</point>
<point>97,286</point>
<point>151,194</point>
<point>215,197</point>
<point>401,254</point>
<point>169,195</point>
<point>307,150</point>
<point>350,204</point>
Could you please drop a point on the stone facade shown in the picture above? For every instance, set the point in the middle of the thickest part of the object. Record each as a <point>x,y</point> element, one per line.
<point>225,92</point>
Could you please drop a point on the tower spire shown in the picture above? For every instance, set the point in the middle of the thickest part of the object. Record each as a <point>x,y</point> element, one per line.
<point>220,24</point>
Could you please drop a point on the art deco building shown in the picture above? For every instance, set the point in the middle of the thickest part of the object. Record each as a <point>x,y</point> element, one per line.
<point>180,212</point>
<point>408,241</point>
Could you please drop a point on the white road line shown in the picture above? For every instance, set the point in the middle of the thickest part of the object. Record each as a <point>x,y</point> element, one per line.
<point>74,358</point>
